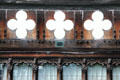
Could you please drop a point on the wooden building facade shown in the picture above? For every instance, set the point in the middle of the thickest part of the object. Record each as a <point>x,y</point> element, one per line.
<point>31,49</point>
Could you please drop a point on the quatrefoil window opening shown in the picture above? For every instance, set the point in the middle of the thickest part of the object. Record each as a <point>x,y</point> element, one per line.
<point>97,25</point>
<point>21,24</point>
<point>59,24</point>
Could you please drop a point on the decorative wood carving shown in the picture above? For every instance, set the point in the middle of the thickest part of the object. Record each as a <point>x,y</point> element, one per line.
<point>94,61</point>
<point>84,65</point>
<point>52,61</point>
<point>83,40</point>
<point>115,62</point>
<point>84,62</point>
<point>67,61</point>
<point>109,64</point>
<point>18,61</point>
<point>34,65</point>
<point>3,60</point>
<point>59,65</point>
<point>9,65</point>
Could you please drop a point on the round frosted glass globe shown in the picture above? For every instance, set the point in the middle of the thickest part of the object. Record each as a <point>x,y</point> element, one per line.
<point>59,34</point>
<point>97,16</point>
<point>88,25</point>
<point>50,24</point>
<point>30,24</point>
<point>21,33</point>
<point>11,24</point>
<point>107,24</point>
<point>21,15</point>
<point>59,16</point>
<point>97,34</point>
<point>68,25</point>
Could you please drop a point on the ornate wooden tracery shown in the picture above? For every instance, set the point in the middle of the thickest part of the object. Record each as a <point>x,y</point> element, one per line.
<point>79,46</point>
<point>108,62</point>
<point>42,38</point>
<point>84,62</point>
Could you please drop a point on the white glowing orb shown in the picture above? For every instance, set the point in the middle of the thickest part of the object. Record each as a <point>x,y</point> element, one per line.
<point>30,24</point>
<point>68,25</point>
<point>98,25</point>
<point>21,33</point>
<point>59,34</point>
<point>50,25</point>
<point>21,15</point>
<point>97,16</point>
<point>59,25</point>
<point>107,24</point>
<point>98,34</point>
<point>59,15</point>
<point>21,24</point>
<point>88,25</point>
<point>12,24</point>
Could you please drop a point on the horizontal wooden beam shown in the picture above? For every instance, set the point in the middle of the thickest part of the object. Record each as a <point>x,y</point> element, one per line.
<point>74,51</point>
<point>58,55</point>
<point>62,2</point>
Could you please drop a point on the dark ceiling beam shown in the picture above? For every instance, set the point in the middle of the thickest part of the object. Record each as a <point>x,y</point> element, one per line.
<point>60,4</point>
<point>61,50</point>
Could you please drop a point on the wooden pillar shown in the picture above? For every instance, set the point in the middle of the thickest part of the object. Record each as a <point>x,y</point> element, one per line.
<point>109,70</point>
<point>59,70</point>
<point>109,74</point>
<point>84,74</point>
<point>84,70</point>
<point>35,73</point>
<point>9,69</point>
<point>59,73</point>
<point>35,70</point>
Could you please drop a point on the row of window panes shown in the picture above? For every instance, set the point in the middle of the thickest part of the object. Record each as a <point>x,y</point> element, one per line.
<point>49,72</point>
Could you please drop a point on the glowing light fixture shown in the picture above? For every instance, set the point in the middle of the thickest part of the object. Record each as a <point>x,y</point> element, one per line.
<point>21,24</point>
<point>59,25</point>
<point>97,25</point>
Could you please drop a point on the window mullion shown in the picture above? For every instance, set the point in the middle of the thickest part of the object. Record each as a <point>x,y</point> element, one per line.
<point>9,70</point>
<point>109,74</point>
<point>59,73</point>
<point>84,74</point>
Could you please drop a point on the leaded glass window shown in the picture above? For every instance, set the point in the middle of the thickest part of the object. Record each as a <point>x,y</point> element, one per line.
<point>22,72</point>
<point>3,72</point>
<point>47,72</point>
<point>72,72</point>
<point>97,72</point>
<point>116,73</point>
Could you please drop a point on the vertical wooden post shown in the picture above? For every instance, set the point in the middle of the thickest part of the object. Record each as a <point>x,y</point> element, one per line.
<point>84,74</point>
<point>35,70</point>
<point>9,70</point>
<point>35,74</point>
<point>59,70</point>
<point>59,74</point>
<point>84,70</point>
<point>109,70</point>
<point>109,74</point>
